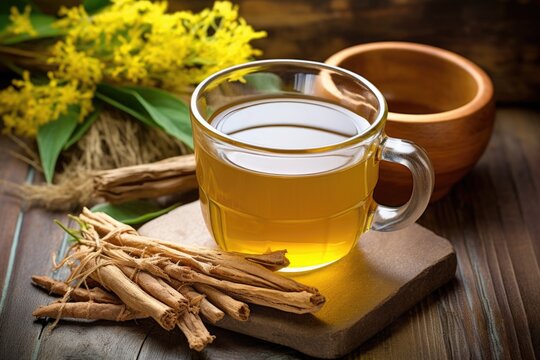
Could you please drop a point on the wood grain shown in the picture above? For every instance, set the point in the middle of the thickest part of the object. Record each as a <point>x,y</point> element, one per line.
<point>15,171</point>
<point>491,310</point>
<point>39,239</point>
<point>500,36</point>
<point>444,104</point>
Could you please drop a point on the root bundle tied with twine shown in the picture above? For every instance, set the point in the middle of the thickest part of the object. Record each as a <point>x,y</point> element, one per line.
<point>146,181</point>
<point>117,160</point>
<point>118,275</point>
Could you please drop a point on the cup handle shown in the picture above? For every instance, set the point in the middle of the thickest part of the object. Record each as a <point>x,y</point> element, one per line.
<point>412,156</point>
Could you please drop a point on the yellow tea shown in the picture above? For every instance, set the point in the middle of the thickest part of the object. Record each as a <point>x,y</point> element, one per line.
<point>315,205</point>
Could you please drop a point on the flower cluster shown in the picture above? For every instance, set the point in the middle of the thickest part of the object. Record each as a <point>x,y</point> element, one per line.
<point>20,22</point>
<point>26,106</point>
<point>140,43</point>
<point>129,42</point>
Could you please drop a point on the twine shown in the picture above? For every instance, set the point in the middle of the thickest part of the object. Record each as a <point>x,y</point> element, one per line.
<point>114,140</point>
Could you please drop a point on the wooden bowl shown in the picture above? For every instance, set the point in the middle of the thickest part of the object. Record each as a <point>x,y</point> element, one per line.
<point>437,99</point>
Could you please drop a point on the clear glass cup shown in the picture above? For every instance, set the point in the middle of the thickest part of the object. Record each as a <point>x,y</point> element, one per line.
<point>288,156</point>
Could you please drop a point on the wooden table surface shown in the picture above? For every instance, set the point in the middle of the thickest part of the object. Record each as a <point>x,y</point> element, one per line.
<point>490,310</point>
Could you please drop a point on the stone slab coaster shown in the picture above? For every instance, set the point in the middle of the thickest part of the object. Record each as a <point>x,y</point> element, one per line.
<point>385,275</point>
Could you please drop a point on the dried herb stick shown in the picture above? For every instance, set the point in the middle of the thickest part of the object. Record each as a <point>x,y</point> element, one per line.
<point>139,277</point>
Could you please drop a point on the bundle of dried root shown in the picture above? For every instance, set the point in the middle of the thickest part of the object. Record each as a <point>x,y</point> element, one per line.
<point>118,159</point>
<point>175,175</point>
<point>118,275</point>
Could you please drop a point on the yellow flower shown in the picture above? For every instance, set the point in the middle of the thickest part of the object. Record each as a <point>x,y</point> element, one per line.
<point>72,17</point>
<point>138,42</point>
<point>20,22</point>
<point>128,42</point>
<point>25,106</point>
<point>75,65</point>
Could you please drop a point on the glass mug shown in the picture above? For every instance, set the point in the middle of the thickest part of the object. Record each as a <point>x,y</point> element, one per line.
<point>287,155</point>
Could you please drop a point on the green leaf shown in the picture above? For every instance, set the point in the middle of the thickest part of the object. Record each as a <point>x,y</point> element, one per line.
<point>4,21</point>
<point>73,236</point>
<point>124,101</point>
<point>168,111</point>
<point>153,107</point>
<point>133,212</point>
<point>82,128</point>
<point>43,24</point>
<point>265,82</point>
<point>92,6</point>
<point>52,137</point>
<point>5,10</point>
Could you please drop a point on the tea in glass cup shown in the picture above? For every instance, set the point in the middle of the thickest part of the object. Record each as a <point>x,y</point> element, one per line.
<point>285,163</point>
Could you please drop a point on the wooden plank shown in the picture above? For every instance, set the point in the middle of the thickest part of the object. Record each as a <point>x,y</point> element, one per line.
<point>15,171</point>
<point>30,237</point>
<point>483,313</point>
<point>101,340</point>
<point>39,239</point>
<point>145,340</point>
<point>227,346</point>
<point>416,334</point>
<point>233,346</point>
<point>519,209</point>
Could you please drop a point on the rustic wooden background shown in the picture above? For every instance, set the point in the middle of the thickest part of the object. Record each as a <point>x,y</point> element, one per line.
<point>502,36</point>
<point>491,310</point>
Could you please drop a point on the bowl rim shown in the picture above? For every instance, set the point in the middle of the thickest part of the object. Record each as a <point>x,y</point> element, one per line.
<point>484,92</point>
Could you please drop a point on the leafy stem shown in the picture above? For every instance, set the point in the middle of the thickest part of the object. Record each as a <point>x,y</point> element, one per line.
<point>75,234</point>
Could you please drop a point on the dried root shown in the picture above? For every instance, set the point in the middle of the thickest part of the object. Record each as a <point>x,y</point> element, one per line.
<point>118,159</point>
<point>139,277</point>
